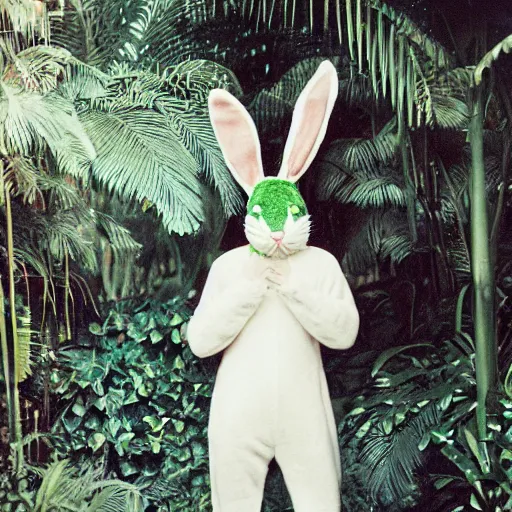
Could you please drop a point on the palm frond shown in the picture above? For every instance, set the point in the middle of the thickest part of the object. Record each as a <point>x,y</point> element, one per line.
<point>396,247</point>
<point>76,30</point>
<point>383,236</point>
<point>365,156</point>
<point>64,236</point>
<point>376,193</point>
<point>21,179</point>
<point>503,46</point>
<point>42,68</point>
<point>26,17</point>
<point>195,132</point>
<point>141,157</point>
<point>61,194</point>
<point>66,487</point>
<point>194,79</point>
<point>120,239</point>
<point>450,112</point>
<point>391,459</point>
<point>29,122</point>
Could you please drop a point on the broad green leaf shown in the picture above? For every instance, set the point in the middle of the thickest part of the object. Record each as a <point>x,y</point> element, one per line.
<point>79,409</point>
<point>503,46</point>
<point>176,320</point>
<point>155,336</point>
<point>96,441</point>
<point>175,336</point>
<point>392,352</point>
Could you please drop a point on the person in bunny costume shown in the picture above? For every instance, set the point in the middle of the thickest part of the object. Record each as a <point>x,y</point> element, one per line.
<point>268,306</point>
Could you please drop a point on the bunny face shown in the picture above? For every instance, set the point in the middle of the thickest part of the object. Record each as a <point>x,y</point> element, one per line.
<point>277,223</point>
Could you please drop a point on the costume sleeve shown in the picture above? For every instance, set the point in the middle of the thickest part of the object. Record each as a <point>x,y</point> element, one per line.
<point>224,309</point>
<point>326,310</point>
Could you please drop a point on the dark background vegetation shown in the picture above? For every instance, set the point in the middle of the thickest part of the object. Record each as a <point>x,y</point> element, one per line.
<point>115,201</point>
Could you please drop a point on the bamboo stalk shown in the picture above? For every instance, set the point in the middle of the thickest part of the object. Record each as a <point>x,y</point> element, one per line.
<point>12,302</point>
<point>3,337</point>
<point>5,364</point>
<point>481,270</point>
<point>66,296</point>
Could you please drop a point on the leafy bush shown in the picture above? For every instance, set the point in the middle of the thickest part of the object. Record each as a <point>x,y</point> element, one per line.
<point>133,393</point>
<point>485,468</point>
<point>418,388</point>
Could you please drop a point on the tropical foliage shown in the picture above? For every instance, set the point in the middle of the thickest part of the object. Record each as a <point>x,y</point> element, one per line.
<point>115,199</point>
<point>132,396</point>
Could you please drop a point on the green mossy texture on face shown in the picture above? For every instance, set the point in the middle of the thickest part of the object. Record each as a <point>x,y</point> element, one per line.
<point>275,196</point>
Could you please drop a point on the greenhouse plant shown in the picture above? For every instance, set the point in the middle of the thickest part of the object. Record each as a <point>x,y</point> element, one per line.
<point>117,201</point>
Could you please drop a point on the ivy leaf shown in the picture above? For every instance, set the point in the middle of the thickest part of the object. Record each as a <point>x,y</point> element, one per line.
<point>155,336</point>
<point>176,320</point>
<point>96,441</point>
<point>96,329</point>
<point>175,336</point>
<point>156,423</point>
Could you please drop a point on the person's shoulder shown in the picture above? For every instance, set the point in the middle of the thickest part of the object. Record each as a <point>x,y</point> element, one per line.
<point>322,256</point>
<point>231,258</point>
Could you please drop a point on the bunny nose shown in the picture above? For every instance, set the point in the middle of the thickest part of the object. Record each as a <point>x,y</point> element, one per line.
<point>277,236</point>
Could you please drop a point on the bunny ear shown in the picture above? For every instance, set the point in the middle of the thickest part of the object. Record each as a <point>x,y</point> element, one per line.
<point>237,137</point>
<point>309,122</point>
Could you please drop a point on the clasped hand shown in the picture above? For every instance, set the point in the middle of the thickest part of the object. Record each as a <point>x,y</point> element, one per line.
<point>273,273</point>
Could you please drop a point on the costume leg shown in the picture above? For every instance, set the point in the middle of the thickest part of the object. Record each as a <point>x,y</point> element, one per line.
<point>238,468</point>
<point>307,449</point>
<point>311,475</point>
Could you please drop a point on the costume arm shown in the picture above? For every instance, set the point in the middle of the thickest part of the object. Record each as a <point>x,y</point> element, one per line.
<point>222,312</point>
<point>328,311</point>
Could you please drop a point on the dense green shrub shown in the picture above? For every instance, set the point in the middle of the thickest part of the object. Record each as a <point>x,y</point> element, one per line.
<point>133,393</point>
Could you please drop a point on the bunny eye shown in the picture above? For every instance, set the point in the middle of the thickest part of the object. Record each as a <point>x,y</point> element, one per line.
<point>256,208</point>
<point>294,209</point>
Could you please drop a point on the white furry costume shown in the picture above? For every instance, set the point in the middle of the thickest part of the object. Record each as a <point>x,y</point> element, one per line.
<point>271,397</point>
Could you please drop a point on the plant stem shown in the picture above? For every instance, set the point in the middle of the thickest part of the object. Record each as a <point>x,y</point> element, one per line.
<point>482,272</point>
<point>66,295</point>
<point>3,336</point>
<point>12,303</point>
<point>410,193</point>
<point>5,363</point>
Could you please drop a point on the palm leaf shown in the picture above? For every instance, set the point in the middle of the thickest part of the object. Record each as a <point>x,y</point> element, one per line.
<point>25,17</point>
<point>396,247</point>
<point>390,459</point>
<point>195,132</point>
<point>120,239</point>
<point>486,62</point>
<point>29,121</point>
<point>21,179</point>
<point>64,236</point>
<point>42,68</point>
<point>194,79</point>
<point>383,236</point>
<point>363,157</point>
<point>375,193</point>
<point>64,487</point>
<point>141,157</point>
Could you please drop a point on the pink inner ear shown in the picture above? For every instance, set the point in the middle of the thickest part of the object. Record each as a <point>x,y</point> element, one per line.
<point>237,138</point>
<point>313,116</point>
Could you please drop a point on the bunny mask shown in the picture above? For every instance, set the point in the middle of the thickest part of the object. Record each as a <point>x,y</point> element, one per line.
<point>277,222</point>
